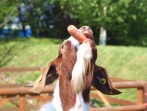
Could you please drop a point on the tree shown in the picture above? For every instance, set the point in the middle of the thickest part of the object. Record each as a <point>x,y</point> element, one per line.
<point>122,16</point>
<point>48,20</point>
<point>8,11</point>
<point>125,20</point>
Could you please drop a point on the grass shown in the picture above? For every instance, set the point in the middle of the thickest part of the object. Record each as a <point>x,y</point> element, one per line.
<point>120,61</point>
<point>31,52</point>
<point>124,62</point>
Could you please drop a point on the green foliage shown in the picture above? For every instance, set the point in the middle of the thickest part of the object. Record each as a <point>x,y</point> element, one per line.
<point>6,6</point>
<point>125,20</point>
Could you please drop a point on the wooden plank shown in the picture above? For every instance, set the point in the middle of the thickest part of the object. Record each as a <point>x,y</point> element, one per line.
<point>114,100</point>
<point>33,107</point>
<point>139,95</point>
<point>22,104</point>
<point>26,90</point>
<point>121,108</point>
<point>131,84</point>
<point>114,79</point>
<point>40,98</point>
<point>14,102</point>
<point>23,90</point>
<point>28,108</point>
<point>145,93</point>
<point>50,88</point>
<point>103,98</point>
<point>19,69</point>
<point>4,101</point>
<point>9,109</point>
<point>120,101</point>
<point>10,85</point>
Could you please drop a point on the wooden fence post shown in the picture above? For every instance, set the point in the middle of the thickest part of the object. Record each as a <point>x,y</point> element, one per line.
<point>145,95</point>
<point>140,95</point>
<point>22,103</point>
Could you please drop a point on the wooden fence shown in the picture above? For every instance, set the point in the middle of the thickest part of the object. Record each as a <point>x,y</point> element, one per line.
<point>22,99</point>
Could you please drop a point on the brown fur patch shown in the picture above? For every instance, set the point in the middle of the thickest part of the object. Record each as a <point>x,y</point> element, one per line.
<point>68,97</point>
<point>67,59</point>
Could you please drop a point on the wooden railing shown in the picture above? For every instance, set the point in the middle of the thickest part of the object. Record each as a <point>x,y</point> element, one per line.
<point>9,93</point>
<point>20,69</point>
<point>22,99</point>
<point>139,105</point>
<point>19,95</point>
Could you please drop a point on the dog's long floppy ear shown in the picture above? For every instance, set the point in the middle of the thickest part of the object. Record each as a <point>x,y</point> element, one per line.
<point>48,77</point>
<point>102,82</point>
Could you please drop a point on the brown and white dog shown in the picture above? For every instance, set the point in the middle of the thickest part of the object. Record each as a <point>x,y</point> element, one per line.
<point>75,66</point>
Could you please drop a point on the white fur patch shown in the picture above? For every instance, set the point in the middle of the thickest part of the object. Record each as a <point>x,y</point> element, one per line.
<point>81,67</point>
<point>80,104</point>
<point>55,104</point>
<point>47,107</point>
<point>74,42</point>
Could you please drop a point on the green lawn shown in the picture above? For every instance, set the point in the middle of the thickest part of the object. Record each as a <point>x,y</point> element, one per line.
<point>120,61</point>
